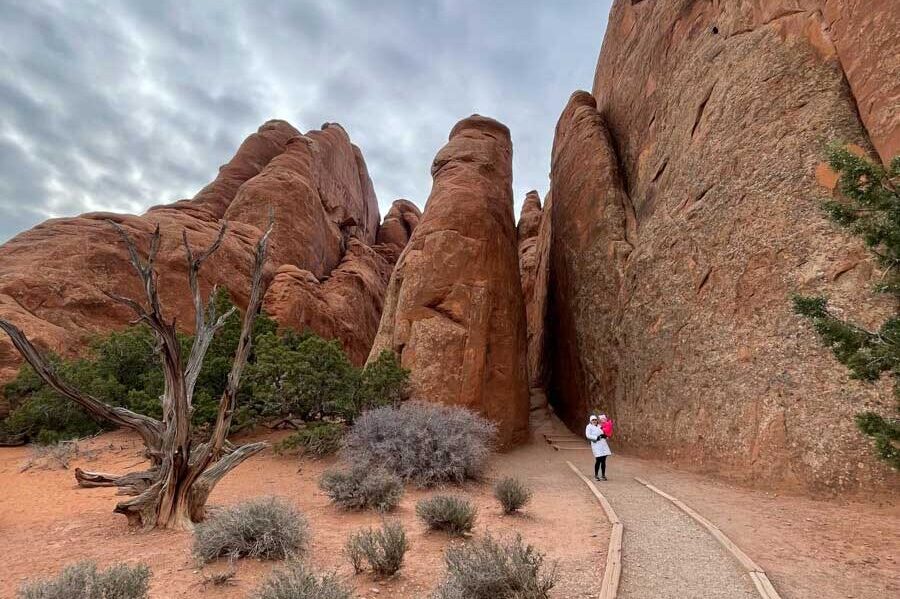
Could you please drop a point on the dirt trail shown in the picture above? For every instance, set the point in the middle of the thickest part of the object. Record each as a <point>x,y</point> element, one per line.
<point>810,549</point>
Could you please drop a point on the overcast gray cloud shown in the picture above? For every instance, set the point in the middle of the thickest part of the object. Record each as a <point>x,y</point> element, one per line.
<point>120,105</point>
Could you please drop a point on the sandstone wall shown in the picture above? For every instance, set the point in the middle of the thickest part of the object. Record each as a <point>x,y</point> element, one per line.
<point>686,212</point>
<point>326,219</point>
<point>453,309</point>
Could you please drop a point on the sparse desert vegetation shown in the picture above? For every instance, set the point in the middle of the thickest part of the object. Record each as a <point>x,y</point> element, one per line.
<point>449,513</point>
<point>380,550</point>
<point>512,494</point>
<point>424,444</point>
<point>362,488</point>
<point>264,528</point>
<point>85,580</point>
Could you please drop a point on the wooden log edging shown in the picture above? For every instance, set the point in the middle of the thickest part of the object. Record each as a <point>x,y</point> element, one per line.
<point>757,574</point>
<point>609,587</point>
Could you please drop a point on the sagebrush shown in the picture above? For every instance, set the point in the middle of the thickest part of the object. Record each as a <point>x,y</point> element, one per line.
<point>362,488</point>
<point>264,528</point>
<point>449,513</point>
<point>85,581</point>
<point>512,494</point>
<point>381,550</point>
<point>297,581</point>
<point>492,569</point>
<point>422,443</point>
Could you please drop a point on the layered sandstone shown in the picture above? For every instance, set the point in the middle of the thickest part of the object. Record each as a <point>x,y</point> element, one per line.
<point>454,310</point>
<point>685,212</point>
<point>399,223</point>
<point>316,185</point>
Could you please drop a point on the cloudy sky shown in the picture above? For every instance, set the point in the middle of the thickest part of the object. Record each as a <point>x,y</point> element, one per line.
<point>120,105</point>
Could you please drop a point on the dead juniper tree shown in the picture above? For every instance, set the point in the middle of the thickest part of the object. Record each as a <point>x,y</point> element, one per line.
<point>172,492</point>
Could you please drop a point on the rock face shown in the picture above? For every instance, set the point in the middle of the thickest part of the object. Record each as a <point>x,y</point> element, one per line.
<point>399,224</point>
<point>453,309</point>
<point>685,212</point>
<point>327,277</point>
<point>533,270</point>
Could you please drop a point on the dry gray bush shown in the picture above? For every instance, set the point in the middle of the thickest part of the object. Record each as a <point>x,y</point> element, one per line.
<point>265,528</point>
<point>488,569</point>
<point>382,550</point>
<point>449,513</point>
<point>422,443</point>
<point>512,494</point>
<point>296,581</point>
<point>84,581</point>
<point>363,488</point>
<point>55,456</point>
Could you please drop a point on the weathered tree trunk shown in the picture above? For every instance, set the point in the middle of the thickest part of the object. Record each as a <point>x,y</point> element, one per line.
<point>172,492</point>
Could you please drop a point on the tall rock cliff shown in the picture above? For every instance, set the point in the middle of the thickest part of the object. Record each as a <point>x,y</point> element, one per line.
<point>52,277</point>
<point>454,310</point>
<point>686,211</point>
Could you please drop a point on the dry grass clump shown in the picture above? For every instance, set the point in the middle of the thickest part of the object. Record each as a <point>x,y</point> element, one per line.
<point>55,456</point>
<point>449,513</point>
<point>512,494</point>
<point>382,550</point>
<point>265,528</point>
<point>297,581</point>
<point>488,569</point>
<point>422,443</point>
<point>315,438</point>
<point>84,581</point>
<point>362,488</point>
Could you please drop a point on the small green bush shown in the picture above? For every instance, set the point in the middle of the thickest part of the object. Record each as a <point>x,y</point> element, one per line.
<point>382,550</point>
<point>488,569</point>
<point>84,581</point>
<point>362,488</point>
<point>316,438</point>
<point>449,513</point>
<point>512,494</point>
<point>265,528</point>
<point>296,581</point>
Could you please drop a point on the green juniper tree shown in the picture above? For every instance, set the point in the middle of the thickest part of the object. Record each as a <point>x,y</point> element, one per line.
<point>871,209</point>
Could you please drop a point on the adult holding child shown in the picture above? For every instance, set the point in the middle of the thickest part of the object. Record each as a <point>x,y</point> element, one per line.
<point>598,430</point>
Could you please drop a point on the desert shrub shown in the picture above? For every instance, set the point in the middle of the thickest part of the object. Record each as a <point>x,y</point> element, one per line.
<point>363,488</point>
<point>422,443</point>
<point>488,569</point>
<point>122,369</point>
<point>384,382</point>
<point>316,438</point>
<point>449,513</point>
<point>84,581</point>
<point>303,375</point>
<point>382,550</point>
<point>512,494</point>
<point>265,528</point>
<point>296,581</point>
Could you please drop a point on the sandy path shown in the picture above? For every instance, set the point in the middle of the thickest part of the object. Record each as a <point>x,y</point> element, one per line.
<point>46,521</point>
<point>665,554</point>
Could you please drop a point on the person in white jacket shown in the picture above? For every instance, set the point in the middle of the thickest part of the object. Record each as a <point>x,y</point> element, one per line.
<point>599,447</point>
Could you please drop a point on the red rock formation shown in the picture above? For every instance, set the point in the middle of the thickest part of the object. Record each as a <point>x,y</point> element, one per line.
<point>453,309</point>
<point>686,211</point>
<point>533,270</point>
<point>346,306</point>
<point>399,223</point>
<point>52,277</point>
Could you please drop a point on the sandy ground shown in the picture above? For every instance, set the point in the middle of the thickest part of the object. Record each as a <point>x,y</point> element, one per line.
<point>46,521</point>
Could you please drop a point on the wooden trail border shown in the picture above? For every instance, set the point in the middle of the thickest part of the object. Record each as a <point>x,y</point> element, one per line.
<point>757,575</point>
<point>609,587</point>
